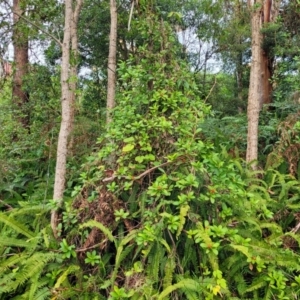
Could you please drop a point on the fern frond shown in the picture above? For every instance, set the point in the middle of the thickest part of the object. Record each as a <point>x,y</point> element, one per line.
<point>275,229</point>
<point>42,294</point>
<point>286,187</point>
<point>185,284</point>
<point>169,270</point>
<point>12,242</point>
<point>235,264</point>
<point>164,242</point>
<point>32,267</point>
<point>283,257</point>
<point>154,260</point>
<point>240,283</point>
<point>35,284</point>
<point>64,275</point>
<point>257,284</point>
<point>29,209</point>
<point>244,218</point>
<point>242,249</point>
<point>119,257</point>
<point>189,259</point>
<point>13,261</point>
<point>184,209</point>
<point>6,279</point>
<point>18,227</point>
<point>104,229</point>
<point>191,295</point>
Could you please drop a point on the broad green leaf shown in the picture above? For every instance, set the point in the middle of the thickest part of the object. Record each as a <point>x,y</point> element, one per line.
<point>128,148</point>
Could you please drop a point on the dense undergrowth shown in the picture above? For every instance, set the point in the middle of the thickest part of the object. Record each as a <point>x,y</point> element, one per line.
<point>160,210</point>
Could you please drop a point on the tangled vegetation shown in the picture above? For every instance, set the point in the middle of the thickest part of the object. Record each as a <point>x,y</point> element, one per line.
<point>163,206</point>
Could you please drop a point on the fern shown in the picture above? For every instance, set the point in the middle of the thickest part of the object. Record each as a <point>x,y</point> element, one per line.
<point>184,284</point>
<point>240,283</point>
<point>235,265</point>
<point>191,295</point>
<point>12,261</point>
<point>169,270</point>
<point>30,269</point>
<point>63,277</point>
<point>184,209</point>
<point>189,255</point>
<point>42,294</point>
<point>257,284</point>
<point>13,242</point>
<point>120,255</point>
<point>285,189</point>
<point>30,210</point>
<point>104,229</point>
<point>37,286</point>
<point>18,227</point>
<point>154,260</point>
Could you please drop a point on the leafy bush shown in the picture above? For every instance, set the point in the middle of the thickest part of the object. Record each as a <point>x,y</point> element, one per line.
<point>168,215</point>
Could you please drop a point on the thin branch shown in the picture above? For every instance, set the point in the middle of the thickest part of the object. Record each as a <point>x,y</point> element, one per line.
<point>36,26</point>
<point>41,29</point>
<point>211,89</point>
<point>92,247</point>
<point>107,179</point>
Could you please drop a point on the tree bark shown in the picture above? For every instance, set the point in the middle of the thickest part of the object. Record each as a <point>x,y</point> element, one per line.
<point>270,13</point>
<point>68,93</point>
<point>255,88</point>
<point>112,61</point>
<point>20,42</point>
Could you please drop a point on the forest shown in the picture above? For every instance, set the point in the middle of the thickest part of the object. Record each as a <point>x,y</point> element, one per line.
<point>149,150</point>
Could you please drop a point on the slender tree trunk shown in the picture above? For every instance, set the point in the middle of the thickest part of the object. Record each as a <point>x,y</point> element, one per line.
<point>266,59</point>
<point>270,13</point>
<point>255,89</point>
<point>20,41</point>
<point>112,61</point>
<point>68,92</point>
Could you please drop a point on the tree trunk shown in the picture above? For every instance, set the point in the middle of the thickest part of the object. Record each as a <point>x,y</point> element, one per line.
<point>20,42</point>
<point>270,13</point>
<point>112,61</point>
<point>68,89</point>
<point>255,89</point>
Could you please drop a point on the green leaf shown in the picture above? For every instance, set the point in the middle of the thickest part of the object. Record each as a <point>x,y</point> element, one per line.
<point>128,148</point>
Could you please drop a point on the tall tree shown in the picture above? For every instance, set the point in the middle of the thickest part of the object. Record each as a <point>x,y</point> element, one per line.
<point>21,60</point>
<point>68,93</point>
<point>255,88</point>
<point>262,11</point>
<point>111,69</point>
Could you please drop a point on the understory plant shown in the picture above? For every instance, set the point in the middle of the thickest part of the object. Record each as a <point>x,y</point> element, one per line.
<point>163,213</point>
